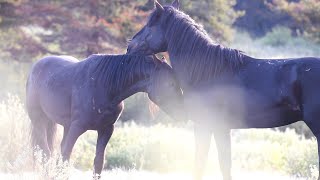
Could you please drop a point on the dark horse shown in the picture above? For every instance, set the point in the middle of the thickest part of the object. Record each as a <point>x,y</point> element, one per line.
<point>88,95</point>
<point>225,89</point>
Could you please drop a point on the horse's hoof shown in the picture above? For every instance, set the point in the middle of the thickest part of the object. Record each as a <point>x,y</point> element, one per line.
<point>96,176</point>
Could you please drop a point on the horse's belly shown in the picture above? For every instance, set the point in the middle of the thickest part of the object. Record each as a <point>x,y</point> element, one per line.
<point>240,109</point>
<point>271,117</point>
<point>216,109</point>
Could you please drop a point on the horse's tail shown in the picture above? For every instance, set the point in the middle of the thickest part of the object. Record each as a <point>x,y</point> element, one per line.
<point>51,134</point>
<point>43,134</point>
<point>42,129</point>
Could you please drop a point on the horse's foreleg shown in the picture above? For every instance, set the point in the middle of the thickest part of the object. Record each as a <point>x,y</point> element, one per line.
<point>103,139</point>
<point>223,143</point>
<point>76,129</point>
<point>202,145</point>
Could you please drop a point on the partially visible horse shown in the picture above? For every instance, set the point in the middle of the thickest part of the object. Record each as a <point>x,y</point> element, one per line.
<point>225,89</point>
<point>88,95</point>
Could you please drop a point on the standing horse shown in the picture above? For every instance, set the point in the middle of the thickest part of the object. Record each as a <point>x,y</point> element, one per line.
<point>225,89</point>
<point>88,95</point>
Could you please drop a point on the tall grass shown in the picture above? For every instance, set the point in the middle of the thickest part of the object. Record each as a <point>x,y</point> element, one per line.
<point>157,148</point>
<point>14,135</point>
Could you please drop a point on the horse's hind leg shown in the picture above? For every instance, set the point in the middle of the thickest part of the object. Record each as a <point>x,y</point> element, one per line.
<point>311,117</point>
<point>103,139</point>
<point>51,132</point>
<point>39,125</point>
<point>317,135</point>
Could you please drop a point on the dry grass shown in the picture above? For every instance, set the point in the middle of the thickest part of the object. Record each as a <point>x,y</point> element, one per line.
<point>164,150</point>
<point>145,175</point>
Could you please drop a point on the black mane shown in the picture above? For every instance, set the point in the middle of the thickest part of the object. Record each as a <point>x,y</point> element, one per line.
<point>115,72</point>
<point>190,46</point>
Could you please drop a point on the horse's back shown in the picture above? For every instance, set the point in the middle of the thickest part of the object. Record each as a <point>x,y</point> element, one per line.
<point>42,70</point>
<point>51,63</point>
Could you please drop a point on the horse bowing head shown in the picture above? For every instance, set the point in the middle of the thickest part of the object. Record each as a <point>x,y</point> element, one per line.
<point>164,90</point>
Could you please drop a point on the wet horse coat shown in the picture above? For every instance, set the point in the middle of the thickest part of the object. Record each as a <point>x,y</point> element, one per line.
<point>88,95</point>
<point>225,89</point>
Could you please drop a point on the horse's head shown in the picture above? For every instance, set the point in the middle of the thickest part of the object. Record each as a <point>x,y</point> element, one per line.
<point>164,90</point>
<point>151,38</point>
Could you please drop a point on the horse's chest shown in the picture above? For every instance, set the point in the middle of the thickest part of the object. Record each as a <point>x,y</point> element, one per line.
<point>105,115</point>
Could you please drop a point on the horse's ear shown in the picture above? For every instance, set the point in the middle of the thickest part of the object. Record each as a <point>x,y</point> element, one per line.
<point>176,4</point>
<point>158,6</point>
<point>164,60</point>
<point>156,60</point>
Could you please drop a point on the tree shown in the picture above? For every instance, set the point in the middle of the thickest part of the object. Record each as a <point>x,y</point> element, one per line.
<point>78,28</point>
<point>259,18</point>
<point>217,16</point>
<point>306,15</point>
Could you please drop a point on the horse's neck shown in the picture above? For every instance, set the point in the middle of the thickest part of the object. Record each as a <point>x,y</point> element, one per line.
<point>180,60</point>
<point>124,93</point>
<point>131,82</point>
<point>198,60</point>
<point>187,50</point>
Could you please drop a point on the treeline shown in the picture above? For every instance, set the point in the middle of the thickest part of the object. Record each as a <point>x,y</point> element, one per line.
<point>33,28</point>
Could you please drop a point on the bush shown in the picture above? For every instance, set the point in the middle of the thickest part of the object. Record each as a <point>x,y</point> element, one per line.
<point>170,149</point>
<point>217,16</point>
<point>306,15</point>
<point>291,48</point>
<point>275,151</point>
<point>279,36</point>
<point>259,18</point>
<point>160,148</point>
<point>14,135</point>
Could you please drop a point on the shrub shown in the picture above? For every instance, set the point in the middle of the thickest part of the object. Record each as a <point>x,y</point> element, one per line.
<point>272,150</point>
<point>306,15</point>
<point>217,16</point>
<point>279,36</point>
<point>160,148</point>
<point>14,135</point>
<point>293,47</point>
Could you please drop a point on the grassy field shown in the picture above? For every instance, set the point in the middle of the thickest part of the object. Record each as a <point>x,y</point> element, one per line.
<point>147,175</point>
<point>160,151</point>
<point>156,151</point>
